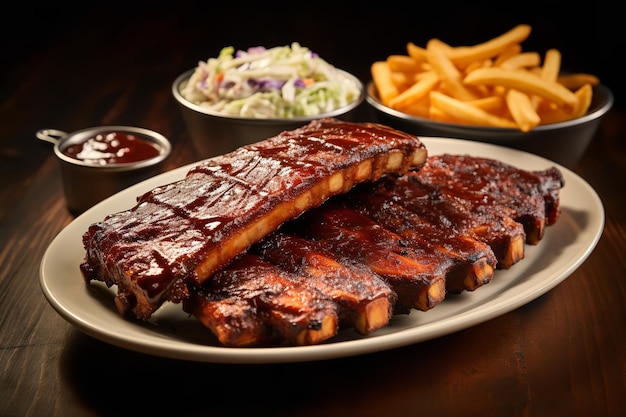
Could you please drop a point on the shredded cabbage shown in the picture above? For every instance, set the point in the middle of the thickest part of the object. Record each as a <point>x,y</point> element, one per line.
<point>280,82</point>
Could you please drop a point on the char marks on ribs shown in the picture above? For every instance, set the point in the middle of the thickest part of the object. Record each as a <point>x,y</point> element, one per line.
<point>435,208</point>
<point>253,302</point>
<point>364,300</point>
<point>469,263</point>
<point>180,234</point>
<point>416,275</point>
<point>488,185</point>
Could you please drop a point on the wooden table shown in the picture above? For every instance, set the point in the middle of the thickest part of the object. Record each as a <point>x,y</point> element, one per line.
<point>561,354</point>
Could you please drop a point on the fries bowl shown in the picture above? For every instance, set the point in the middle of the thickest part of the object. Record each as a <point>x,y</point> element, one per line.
<point>495,91</point>
<point>563,142</point>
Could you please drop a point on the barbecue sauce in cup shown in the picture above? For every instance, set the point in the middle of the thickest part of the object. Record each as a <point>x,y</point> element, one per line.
<point>113,148</point>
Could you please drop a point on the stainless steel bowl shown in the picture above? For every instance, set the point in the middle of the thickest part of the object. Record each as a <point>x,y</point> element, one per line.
<point>563,143</point>
<point>213,133</point>
<point>86,184</point>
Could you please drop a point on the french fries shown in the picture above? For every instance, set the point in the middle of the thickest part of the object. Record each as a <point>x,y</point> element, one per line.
<point>525,81</point>
<point>494,83</point>
<point>381,75</point>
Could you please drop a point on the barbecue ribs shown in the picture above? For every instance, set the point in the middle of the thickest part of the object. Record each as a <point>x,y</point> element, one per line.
<point>180,234</point>
<point>333,225</point>
<point>424,234</point>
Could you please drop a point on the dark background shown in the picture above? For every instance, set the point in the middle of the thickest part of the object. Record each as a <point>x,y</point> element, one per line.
<point>591,37</point>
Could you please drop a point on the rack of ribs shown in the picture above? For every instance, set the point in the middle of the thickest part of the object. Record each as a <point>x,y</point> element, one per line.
<point>290,290</point>
<point>363,268</point>
<point>487,185</point>
<point>364,300</point>
<point>504,235</point>
<point>253,302</point>
<point>426,234</point>
<point>472,263</point>
<point>180,234</point>
<point>416,275</point>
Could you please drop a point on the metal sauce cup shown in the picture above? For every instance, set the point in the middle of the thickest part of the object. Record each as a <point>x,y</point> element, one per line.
<point>85,183</point>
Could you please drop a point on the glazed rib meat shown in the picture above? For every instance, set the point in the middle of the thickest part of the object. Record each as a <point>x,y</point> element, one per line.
<point>364,300</point>
<point>253,302</point>
<point>289,290</point>
<point>504,235</point>
<point>472,262</point>
<point>417,276</point>
<point>180,234</point>
<point>487,185</point>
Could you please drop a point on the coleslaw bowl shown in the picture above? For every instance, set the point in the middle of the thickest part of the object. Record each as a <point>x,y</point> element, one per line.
<point>213,133</point>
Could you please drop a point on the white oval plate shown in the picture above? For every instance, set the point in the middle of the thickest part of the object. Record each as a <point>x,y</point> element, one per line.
<point>172,333</point>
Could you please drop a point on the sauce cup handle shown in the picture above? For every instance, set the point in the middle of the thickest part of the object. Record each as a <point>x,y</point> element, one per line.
<point>51,135</point>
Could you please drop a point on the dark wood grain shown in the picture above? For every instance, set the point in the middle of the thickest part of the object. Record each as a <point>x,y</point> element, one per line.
<point>563,354</point>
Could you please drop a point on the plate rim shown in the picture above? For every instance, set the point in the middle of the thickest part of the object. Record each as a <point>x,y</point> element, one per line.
<point>177,349</point>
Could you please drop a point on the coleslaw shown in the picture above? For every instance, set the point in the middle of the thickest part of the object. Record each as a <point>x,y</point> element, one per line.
<point>280,82</point>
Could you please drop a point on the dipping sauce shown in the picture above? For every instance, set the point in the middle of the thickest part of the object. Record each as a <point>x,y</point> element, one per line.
<point>113,148</point>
